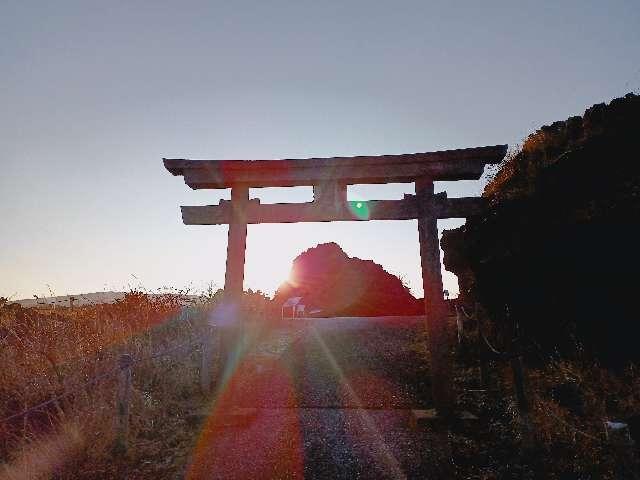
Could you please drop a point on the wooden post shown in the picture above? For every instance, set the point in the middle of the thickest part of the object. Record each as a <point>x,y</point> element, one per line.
<point>435,308</point>
<point>459,323</point>
<point>237,243</point>
<point>232,331</point>
<point>523,402</point>
<point>519,381</point>
<point>438,336</point>
<point>483,361</point>
<point>123,397</point>
<point>206,359</point>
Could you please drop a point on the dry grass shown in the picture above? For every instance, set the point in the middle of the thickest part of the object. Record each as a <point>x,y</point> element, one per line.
<point>570,401</point>
<point>47,352</point>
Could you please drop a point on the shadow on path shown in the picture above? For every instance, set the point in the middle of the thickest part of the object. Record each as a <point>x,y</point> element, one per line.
<point>336,404</point>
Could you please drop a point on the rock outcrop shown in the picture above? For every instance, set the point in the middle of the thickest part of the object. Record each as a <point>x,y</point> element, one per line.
<point>338,285</point>
<point>559,248</point>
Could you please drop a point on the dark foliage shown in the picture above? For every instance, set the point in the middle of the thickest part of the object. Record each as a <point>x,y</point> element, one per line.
<point>558,250</point>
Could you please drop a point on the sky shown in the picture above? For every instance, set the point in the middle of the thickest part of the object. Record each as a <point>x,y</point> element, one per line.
<point>94,94</point>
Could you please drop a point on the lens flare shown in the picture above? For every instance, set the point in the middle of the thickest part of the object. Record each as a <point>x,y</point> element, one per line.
<point>373,433</point>
<point>239,439</point>
<point>359,209</point>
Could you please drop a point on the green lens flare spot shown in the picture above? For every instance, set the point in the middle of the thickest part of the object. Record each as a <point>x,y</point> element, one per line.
<point>360,210</point>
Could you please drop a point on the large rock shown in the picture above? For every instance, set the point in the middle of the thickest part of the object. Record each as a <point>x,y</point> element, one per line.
<point>339,285</point>
<point>558,250</point>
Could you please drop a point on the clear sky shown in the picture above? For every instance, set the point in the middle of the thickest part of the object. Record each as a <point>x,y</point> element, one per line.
<point>94,94</point>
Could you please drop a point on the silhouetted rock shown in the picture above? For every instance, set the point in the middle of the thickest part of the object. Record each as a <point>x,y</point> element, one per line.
<point>329,280</point>
<point>559,247</point>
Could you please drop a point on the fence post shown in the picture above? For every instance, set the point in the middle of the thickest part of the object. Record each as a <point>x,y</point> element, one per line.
<point>123,398</point>
<point>483,361</point>
<point>459,324</point>
<point>206,359</point>
<point>519,380</point>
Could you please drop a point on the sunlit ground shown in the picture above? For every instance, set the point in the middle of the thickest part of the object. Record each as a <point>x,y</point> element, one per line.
<point>255,427</point>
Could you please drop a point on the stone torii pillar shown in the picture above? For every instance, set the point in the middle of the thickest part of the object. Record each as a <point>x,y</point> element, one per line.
<point>230,311</point>
<point>236,244</point>
<point>438,339</point>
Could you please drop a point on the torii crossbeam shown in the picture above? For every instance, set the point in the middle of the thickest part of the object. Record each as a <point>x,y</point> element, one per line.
<point>329,178</point>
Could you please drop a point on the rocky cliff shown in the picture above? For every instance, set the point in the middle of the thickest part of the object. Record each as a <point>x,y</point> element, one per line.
<point>558,249</point>
<point>340,285</point>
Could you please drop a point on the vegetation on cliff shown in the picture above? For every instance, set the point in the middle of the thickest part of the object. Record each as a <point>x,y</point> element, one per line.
<point>551,268</point>
<point>558,250</point>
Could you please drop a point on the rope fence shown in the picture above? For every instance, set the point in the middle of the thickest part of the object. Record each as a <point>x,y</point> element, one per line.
<point>57,398</point>
<point>124,371</point>
<point>534,348</point>
<point>126,362</point>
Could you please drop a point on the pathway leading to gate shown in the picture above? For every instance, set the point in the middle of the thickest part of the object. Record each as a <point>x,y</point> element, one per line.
<point>335,403</point>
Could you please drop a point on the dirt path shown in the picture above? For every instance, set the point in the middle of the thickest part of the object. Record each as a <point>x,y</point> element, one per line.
<point>335,403</point>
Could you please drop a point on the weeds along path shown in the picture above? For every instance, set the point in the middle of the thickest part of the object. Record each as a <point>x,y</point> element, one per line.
<point>59,382</point>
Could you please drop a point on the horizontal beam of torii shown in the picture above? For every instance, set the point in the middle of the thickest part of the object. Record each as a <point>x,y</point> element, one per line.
<point>462,164</point>
<point>408,208</point>
<point>329,178</point>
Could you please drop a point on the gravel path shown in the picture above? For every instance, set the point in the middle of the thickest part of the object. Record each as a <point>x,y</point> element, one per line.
<point>335,404</point>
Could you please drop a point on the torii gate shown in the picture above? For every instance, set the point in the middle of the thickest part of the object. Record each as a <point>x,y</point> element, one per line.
<point>329,178</point>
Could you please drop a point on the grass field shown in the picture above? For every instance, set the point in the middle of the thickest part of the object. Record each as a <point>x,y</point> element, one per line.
<point>48,352</point>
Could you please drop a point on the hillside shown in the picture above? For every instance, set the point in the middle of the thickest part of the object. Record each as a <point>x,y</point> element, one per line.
<point>94,298</point>
<point>557,251</point>
<point>339,285</point>
<point>80,299</point>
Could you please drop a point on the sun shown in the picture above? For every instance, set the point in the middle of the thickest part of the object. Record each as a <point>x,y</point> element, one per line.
<point>292,279</point>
